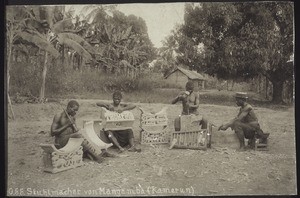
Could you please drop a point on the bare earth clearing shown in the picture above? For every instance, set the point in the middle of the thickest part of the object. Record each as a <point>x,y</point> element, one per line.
<point>156,170</point>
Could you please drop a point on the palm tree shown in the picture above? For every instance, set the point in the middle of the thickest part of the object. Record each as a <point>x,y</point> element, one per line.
<point>19,27</point>
<point>58,31</point>
<point>122,41</point>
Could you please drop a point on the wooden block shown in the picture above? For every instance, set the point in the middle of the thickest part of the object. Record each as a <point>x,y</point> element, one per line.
<point>68,157</point>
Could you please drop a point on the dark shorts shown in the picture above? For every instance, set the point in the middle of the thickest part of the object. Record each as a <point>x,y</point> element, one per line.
<point>249,129</point>
<point>122,136</point>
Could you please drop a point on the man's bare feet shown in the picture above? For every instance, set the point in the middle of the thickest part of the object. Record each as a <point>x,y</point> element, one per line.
<point>121,150</point>
<point>241,149</point>
<point>99,159</point>
<point>134,149</point>
<point>107,154</point>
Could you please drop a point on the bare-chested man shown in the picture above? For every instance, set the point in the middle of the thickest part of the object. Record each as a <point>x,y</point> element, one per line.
<point>64,127</point>
<point>190,103</point>
<point>245,124</point>
<point>120,138</point>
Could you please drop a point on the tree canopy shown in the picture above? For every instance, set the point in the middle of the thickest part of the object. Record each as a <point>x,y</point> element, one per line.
<point>239,40</point>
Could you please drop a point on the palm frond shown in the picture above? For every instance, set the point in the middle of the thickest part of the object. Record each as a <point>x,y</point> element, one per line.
<point>36,12</point>
<point>108,31</point>
<point>16,13</point>
<point>33,24</point>
<point>87,8</point>
<point>49,15</point>
<point>62,26</point>
<point>39,42</point>
<point>91,15</point>
<point>75,46</point>
<point>77,39</point>
<point>21,48</point>
<point>127,33</point>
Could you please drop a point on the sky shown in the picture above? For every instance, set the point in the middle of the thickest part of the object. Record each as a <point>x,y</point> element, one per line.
<point>160,18</point>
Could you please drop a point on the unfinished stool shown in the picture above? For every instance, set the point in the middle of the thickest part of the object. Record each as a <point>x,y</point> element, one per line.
<point>57,160</point>
<point>91,139</point>
<point>189,135</point>
<point>189,139</point>
<point>154,127</point>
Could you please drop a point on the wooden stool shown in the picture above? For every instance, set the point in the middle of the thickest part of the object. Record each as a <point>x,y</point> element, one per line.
<point>154,127</point>
<point>190,139</point>
<point>92,140</point>
<point>117,121</point>
<point>57,160</point>
<point>260,145</point>
<point>190,135</point>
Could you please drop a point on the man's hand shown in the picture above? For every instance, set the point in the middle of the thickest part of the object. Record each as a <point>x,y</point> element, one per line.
<point>110,107</point>
<point>72,124</point>
<point>120,110</point>
<point>222,127</point>
<point>69,123</point>
<point>182,96</point>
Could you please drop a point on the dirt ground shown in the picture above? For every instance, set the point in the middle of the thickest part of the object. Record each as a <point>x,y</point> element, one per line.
<point>156,170</point>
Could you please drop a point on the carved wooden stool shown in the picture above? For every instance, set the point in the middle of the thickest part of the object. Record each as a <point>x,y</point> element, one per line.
<point>117,121</point>
<point>57,160</point>
<point>154,127</point>
<point>91,139</point>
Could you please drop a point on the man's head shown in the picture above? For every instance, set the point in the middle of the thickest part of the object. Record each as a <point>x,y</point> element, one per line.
<point>117,97</point>
<point>241,98</point>
<point>72,107</point>
<point>189,86</point>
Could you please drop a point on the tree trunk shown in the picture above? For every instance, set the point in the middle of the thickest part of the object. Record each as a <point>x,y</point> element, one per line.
<point>42,91</point>
<point>277,92</point>
<point>8,77</point>
<point>259,84</point>
<point>8,65</point>
<point>232,85</point>
<point>267,91</point>
<point>227,84</point>
<point>63,55</point>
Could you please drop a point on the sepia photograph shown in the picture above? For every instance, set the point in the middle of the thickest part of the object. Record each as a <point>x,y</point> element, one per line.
<point>150,99</point>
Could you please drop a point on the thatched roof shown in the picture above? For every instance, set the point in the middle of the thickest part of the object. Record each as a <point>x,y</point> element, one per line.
<point>193,75</point>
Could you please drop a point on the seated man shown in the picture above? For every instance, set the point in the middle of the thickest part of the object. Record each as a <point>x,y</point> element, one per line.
<point>246,123</point>
<point>190,103</point>
<point>120,138</point>
<point>63,128</point>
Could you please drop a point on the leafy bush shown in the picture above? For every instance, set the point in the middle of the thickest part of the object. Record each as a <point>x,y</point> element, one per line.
<point>25,78</point>
<point>63,80</point>
<point>94,81</point>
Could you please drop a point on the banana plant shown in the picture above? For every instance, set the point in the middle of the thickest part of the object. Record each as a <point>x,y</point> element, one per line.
<point>59,31</point>
<point>119,39</point>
